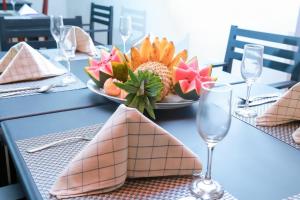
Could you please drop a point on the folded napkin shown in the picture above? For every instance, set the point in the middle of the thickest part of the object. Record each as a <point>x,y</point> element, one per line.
<point>22,63</point>
<point>286,109</point>
<point>128,146</point>
<point>27,10</point>
<point>84,42</point>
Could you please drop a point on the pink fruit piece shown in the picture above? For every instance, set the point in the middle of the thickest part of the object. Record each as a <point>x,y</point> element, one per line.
<point>187,78</point>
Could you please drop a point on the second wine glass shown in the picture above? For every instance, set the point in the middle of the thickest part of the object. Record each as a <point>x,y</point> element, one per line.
<point>251,69</point>
<point>213,123</point>
<point>13,4</point>
<point>68,47</point>
<point>55,23</point>
<point>125,29</point>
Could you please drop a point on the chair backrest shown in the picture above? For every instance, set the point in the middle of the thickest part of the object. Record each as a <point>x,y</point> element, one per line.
<point>281,52</point>
<point>102,15</point>
<point>35,31</point>
<point>138,23</point>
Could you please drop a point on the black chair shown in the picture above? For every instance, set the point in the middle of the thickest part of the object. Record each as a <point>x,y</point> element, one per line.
<point>102,17</point>
<point>284,52</point>
<point>35,31</point>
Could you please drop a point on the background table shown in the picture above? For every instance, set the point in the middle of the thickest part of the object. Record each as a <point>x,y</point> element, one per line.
<point>19,4</point>
<point>248,163</point>
<point>51,102</point>
<point>11,108</point>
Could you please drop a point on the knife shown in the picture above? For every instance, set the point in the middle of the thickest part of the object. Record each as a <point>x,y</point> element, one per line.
<point>257,103</point>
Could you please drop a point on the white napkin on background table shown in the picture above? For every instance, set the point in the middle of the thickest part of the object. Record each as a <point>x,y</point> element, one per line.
<point>129,145</point>
<point>286,109</point>
<point>27,10</point>
<point>84,42</point>
<point>22,63</point>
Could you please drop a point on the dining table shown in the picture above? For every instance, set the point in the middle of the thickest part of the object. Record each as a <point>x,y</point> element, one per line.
<point>249,163</point>
<point>53,102</point>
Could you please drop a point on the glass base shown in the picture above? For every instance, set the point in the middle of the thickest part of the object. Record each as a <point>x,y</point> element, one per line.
<point>207,189</point>
<point>68,80</point>
<point>246,112</point>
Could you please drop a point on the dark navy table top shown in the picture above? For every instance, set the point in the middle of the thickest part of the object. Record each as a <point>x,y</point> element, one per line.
<point>11,108</point>
<point>248,163</point>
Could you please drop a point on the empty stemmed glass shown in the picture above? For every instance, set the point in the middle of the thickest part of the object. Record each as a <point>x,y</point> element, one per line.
<point>213,123</point>
<point>55,23</point>
<point>13,3</point>
<point>251,69</point>
<point>125,29</point>
<point>68,47</point>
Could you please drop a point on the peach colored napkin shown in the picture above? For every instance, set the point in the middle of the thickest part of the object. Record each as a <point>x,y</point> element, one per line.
<point>128,146</point>
<point>22,63</point>
<point>84,42</point>
<point>286,109</point>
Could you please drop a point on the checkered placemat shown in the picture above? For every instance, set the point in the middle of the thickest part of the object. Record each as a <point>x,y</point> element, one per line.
<point>282,132</point>
<point>78,84</point>
<point>46,165</point>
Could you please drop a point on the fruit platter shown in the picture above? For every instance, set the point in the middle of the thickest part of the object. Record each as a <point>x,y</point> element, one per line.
<point>149,77</point>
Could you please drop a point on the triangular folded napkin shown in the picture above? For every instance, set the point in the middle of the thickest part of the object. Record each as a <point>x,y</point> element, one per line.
<point>22,63</point>
<point>128,146</point>
<point>286,109</point>
<point>84,42</point>
<point>27,10</point>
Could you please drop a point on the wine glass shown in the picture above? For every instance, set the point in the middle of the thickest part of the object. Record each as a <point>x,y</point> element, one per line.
<point>213,123</point>
<point>13,3</point>
<point>125,29</point>
<point>55,23</point>
<point>251,69</point>
<point>68,47</point>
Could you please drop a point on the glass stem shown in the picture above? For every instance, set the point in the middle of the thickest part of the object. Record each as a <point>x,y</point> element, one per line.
<point>124,45</point>
<point>209,162</point>
<point>248,95</point>
<point>69,66</point>
<point>58,48</point>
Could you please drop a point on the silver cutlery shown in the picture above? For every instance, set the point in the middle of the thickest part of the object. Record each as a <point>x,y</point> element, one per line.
<point>258,102</point>
<point>41,89</point>
<point>18,89</point>
<point>259,97</point>
<point>45,146</point>
<point>24,90</point>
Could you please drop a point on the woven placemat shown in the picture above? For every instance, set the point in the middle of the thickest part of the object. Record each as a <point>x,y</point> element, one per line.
<point>282,132</point>
<point>78,84</point>
<point>46,165</point>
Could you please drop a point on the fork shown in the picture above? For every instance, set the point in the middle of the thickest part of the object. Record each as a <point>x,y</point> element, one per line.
<point>260,97</point>
<point>45,146</point>
<point>39,89</point>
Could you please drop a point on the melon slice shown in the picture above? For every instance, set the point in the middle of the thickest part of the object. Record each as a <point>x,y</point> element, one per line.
<point>111,65</point>
<point>187,78</point>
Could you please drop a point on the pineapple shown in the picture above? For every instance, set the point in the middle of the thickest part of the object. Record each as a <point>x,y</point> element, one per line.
<point>144,90</point>
<point>160,70</point>
<point>150,73</point>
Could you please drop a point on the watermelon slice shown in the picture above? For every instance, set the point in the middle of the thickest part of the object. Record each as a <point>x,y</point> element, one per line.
<point>187,78</point>
<point>205,71</point>
<point>111,65</point>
